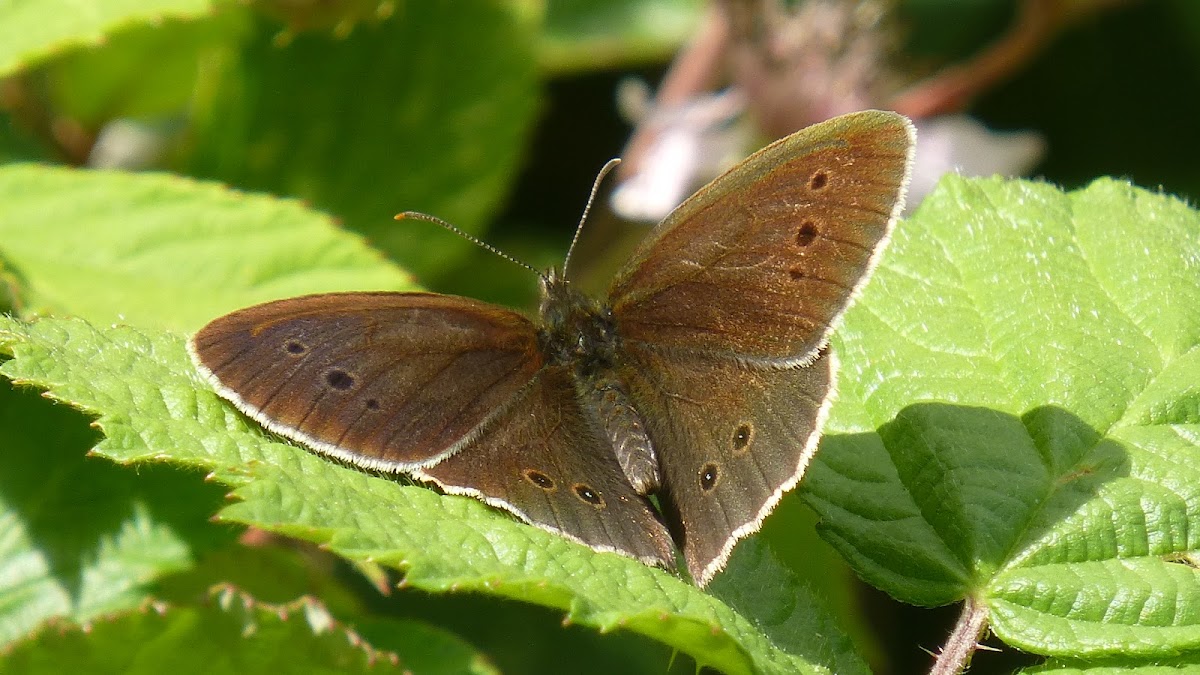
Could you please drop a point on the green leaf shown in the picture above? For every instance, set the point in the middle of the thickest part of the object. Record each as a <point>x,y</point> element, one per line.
<point>1019,417</point>
<point>16,144</point>
<point>589,35</point>
<point>752,585</point>
<point>338,16</point>
<point>1119,667</point>
<point>424,648</point>
<point>153,406</point>
<point>234,633</point>
<point>426,111</point>
<point>146,71</point>
<point>269,573</point>
<point>31,30</point>
<point>272,574</point>
<point>159,250</point>
<point>80,536</point>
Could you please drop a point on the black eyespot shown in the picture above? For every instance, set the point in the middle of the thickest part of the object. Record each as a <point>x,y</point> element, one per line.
<point>819,180</point>
<point>372,404</point>
<point>807,233</point>
<point>741,437</point>
<point>295,347</point>
<point>339,379</point>
<point>797,274</point>
<point>539,479</point>
<point>588,495</point>
<point>709,476</point>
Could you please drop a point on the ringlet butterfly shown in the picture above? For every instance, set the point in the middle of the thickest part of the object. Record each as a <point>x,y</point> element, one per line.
<point>702,378</point>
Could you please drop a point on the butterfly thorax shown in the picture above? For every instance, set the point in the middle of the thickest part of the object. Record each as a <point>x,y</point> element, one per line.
<point>578,332</point>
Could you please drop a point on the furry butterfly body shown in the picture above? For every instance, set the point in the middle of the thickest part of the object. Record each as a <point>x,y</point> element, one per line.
<point>703,376</point>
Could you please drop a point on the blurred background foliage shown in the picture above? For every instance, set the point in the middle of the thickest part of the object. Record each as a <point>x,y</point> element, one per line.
<point>495,115</point>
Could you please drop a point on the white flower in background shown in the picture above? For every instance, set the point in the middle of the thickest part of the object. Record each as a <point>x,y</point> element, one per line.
<point>789,65</point>
<point>690,144</point>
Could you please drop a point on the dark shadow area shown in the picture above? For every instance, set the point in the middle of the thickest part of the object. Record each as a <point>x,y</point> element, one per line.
<point>513,634</point>
<point>757,586</point>
<point>1127,111</point>
<point>910,636</point>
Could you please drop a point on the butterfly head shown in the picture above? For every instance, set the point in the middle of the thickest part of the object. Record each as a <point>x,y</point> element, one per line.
<point>575,328</point>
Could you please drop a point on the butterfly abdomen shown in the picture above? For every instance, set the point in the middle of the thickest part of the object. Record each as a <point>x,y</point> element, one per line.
<point>580,333</point>
<point>604,395</point>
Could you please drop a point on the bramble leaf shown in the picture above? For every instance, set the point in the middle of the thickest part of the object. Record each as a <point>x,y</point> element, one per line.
<point>1018,417</point>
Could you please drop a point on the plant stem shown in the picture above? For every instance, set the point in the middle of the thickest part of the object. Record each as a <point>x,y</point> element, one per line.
<point>963,640</point>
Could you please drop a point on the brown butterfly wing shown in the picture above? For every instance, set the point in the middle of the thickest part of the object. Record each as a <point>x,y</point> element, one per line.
<point>762,261</point>
<point>732,441</point>
<point>541,460</point>
<point>725,312</point>
<point>390,381</point>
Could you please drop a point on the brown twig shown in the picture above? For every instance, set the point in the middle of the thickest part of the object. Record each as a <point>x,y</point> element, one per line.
<point>952,89</point>
<point>695,70</point>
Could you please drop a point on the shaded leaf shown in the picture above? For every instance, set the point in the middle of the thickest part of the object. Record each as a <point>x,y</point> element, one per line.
<point>145,71</point>
<point>80,536</point>
<point>388,119</point>
<point>31,30</point>
<point>237,634</point>
<point>588,35</point>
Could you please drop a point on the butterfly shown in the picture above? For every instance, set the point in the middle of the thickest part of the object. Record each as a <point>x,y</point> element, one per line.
<point>670,415</point>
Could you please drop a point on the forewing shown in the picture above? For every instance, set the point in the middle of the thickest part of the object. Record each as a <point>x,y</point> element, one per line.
<point>761,262</point>
<point>389,381</point>
<point>731,441</point>
<point>542,461</point>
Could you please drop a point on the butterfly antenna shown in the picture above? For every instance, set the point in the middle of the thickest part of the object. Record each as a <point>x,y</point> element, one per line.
<point>612,164</point>
<point>414,215</point>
